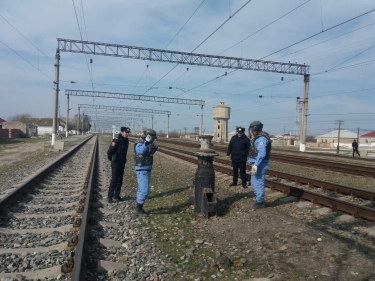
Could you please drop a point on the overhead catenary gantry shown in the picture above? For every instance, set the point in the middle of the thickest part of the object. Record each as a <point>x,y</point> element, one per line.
<point>101,94</point>
<point>98,112</point>
<point>127,109</point>
<point>134,52</point>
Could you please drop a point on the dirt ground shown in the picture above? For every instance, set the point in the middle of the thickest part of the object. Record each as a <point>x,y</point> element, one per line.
<point>23,148</point>
<point>281,242</point>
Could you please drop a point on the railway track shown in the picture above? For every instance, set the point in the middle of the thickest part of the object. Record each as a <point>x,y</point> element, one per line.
<point>355,201</point>
<point>366,171</point>
<point>44,220</point>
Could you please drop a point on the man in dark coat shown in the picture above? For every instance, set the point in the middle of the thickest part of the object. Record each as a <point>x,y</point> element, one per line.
<point>355,147</point>
<point>238,149</point>
<point>116,153</point>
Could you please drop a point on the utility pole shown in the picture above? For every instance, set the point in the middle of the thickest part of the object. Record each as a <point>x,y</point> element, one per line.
<point>56,91</point>
<point>168,126</point>
<point>152,122</point>
<point>79,117</point>
<point>358,135</point>
<point>67,117</point>
<point>201,125</point>
<point>185,128</point>
<point>339,122</point>
<point>302,145</point>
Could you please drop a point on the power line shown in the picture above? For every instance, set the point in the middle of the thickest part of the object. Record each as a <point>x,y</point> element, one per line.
<point>263,27</point>
<point>185,23</point>
<point>316,34</point>
<point>204,40</point>
<point>80,33</point>
<point>26,38</point>
<point>26,60</point>
<point>325,41</point>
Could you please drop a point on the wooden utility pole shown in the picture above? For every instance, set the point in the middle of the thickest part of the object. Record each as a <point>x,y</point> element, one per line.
<point>339,122</point>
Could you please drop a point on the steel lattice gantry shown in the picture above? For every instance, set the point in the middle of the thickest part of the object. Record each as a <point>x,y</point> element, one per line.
<point>101,94</point>
<point>133,52</point>
<point>96,112</point>
<point>125,109</point>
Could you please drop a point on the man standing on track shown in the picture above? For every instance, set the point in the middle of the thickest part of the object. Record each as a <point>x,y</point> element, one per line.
<point>260,151</point>
<point>355,147</point>
<point>116,153</point>
<point>238,149</point>
<point>144,151</point>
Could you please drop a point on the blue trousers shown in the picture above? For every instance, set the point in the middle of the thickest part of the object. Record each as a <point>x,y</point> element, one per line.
<point>257,181</point>
<point>143,178</point>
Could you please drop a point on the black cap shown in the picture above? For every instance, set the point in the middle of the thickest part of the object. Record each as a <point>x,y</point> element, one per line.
<point>240,130</point>
<point>125,129</point>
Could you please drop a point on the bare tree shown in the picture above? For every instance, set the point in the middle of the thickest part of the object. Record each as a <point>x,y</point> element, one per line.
<point>18,117</point>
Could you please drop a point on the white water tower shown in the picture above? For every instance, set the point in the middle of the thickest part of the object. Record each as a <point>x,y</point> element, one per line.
<point>221,115</point>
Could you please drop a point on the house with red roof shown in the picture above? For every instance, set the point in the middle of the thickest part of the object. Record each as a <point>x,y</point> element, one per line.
<point>367,138</point>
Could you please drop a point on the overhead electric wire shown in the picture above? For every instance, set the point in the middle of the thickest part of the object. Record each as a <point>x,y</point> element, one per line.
<point>316,34</point>
<point>26,38</point>
<point>185,23</point>
<point>324,41</point>
<point>80,33</point>
<point>26,60</point>
<point>309,37</point>
<point>264,27</point>
<point>204,40</point>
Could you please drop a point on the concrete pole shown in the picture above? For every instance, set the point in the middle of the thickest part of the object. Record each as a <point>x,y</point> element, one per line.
<point>302,145</point>
<point>79,119</point>
<point>168,127</point>
<point>201,125</point>
<point>338,139</point>
<point>56,103</point>
<point>67,117</point>
<point>152,122</point>
<point>83,118</point>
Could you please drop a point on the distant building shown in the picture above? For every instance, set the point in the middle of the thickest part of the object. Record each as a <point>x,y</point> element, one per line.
<point>332,137</point>
<point>44,125</point>
<point>1,122</point>
<point>367,138</point>
<point>25,130</point>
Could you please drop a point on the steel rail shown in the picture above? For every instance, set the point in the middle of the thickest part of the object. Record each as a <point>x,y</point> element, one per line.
<point>79,270</point>
<point>23,188</point>
<point>315,163</point>
<point>325,185</point>
<point>336,204</point>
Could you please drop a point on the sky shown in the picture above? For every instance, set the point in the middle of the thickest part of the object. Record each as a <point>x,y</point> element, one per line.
<point>341,59</point>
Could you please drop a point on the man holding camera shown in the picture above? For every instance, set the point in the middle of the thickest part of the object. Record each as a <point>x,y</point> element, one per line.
<point>144,151</point>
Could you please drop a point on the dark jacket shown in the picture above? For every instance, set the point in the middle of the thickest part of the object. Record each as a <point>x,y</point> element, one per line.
<point>355,144</point>
<point>239,148</point>
<point>118,149</point>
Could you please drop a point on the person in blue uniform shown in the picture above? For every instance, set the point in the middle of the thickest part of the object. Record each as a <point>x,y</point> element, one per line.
<point>355,147</point>
<point>144,151</point>
<point>260,150</point>
<point>116,153</point>
<point>238,149</point>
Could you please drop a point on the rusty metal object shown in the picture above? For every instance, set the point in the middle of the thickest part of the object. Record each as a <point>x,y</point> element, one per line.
<point>73,241</point>
<point>80,209</point>
<point>68,267</point>
<point>77,222</point>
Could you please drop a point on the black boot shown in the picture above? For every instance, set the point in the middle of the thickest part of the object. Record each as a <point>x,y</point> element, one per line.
<point>140,212</point>
<point>118,198</point>
<point>244,185</point>
<point>233,184</point>
<point>110,200</point>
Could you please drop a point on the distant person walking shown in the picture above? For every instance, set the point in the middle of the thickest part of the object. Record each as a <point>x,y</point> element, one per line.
<point>238,149</point>
<point>355,147</point>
